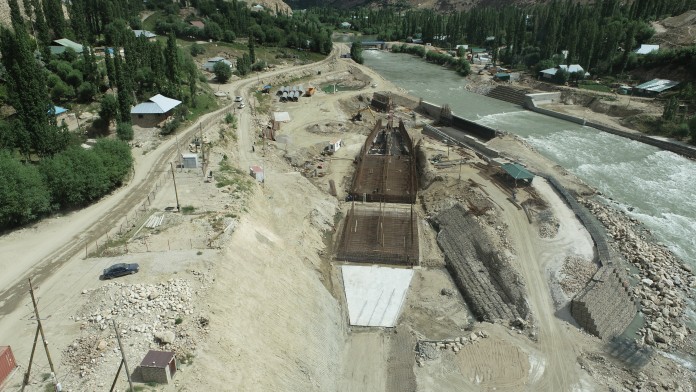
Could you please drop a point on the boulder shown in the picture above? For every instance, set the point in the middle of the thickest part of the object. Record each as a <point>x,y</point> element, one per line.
<point>165,337</point>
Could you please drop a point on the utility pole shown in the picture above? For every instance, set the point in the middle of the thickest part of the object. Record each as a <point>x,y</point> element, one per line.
<point>123,355</point>
<point>175,192</point>
<point>45,343</point>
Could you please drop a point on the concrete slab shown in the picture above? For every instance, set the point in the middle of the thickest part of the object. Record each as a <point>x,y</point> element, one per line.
<point>375,294</point>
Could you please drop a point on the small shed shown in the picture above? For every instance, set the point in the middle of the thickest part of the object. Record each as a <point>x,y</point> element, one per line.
<point>189,161</point>
<point>502,76</point>
<point>256,172</point>
<point>518,173</point>
<point>334,145</point>
<point>158,366</point>
<point>7,363</point>
<point>210,64</point>
<point>148,35</point>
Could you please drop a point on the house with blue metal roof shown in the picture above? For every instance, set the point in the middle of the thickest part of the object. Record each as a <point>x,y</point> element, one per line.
<point>61,45</point>
<point>655,87</point>
<point>153,111</point>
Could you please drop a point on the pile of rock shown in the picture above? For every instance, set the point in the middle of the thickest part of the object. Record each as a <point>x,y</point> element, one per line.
<point>428,350</point>
<point>575,273</point>
<point>664,280</point>
<point>160,316</point>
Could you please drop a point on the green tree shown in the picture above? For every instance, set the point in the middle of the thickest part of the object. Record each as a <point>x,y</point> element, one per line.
<point>78,20</point>
<point>109,108</point>
<point>356,50</point>
<point>86,92</point>
<point>75,176</point>
<point>171,57</point>
<point>23,194</point>
<point>110,72</point>
<point>252,49</point>
<point>192,82</point>
<point>561,76</point>
<point>54,17</point>
<point>222,72</point>
<point>116,157</point>
<point>124,131</point>
<point>27,93</point>
<point>243,65</point>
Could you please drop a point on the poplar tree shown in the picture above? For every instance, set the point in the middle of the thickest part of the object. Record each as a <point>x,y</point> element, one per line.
<point>171,58</point>
<point>110,72</point>
<point>27,91</point>
<point>78,20</point>
<point>124,91</point>
<point>252,50</point>
<point>53,10</point>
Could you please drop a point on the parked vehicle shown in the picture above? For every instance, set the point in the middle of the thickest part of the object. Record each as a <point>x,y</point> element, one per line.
<point>120,269</point>
<point>241,106</point>
<point>238,99</point>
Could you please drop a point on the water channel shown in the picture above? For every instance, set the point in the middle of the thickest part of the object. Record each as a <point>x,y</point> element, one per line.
<point>654,186</point>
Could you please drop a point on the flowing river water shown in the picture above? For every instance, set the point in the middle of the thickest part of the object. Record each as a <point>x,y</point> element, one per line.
<point>654,186</point>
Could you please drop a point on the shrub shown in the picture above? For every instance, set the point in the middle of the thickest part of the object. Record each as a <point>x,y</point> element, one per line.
<point>23,194</point>
<point>197,49</point>
<point>170,126</point>
<point>86,92</point>
<point>109,108</point>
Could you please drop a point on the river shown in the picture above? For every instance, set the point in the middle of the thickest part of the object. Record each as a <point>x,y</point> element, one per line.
<point>654,186</point>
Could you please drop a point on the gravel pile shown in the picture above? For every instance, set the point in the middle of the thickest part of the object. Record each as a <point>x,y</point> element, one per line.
<point>149,316</point>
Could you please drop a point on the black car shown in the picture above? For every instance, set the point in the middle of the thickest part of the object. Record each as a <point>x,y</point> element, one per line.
<point>120,269</point>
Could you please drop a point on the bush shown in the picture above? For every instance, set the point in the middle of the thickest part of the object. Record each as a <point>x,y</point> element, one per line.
<point>62,91</point>
<point>74,78</point>
<point>86,92</point>
<point>124,131</point>
<point>109,108</point>
<point>197,49</point>
<point>259,66</point>
<point>170,127</point>
<point>229,118</point>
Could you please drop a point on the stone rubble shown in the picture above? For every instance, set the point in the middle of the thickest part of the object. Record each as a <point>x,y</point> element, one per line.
<point>428,350</point>
<point>664,282</point>
<point>150,316</point>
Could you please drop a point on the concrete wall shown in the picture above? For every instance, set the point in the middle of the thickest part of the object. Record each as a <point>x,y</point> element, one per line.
<point>543,98</point>
<point>482,131</point>
<point>669,145</point>
<point>458,138</point>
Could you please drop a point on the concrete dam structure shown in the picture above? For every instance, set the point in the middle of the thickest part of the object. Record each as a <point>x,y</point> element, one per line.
<point>381,226</point>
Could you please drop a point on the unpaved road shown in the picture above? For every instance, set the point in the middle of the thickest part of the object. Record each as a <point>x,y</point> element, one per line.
<point>40,250</point>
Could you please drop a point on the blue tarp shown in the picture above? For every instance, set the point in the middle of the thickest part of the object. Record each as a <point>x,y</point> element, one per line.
<point>59,110</point>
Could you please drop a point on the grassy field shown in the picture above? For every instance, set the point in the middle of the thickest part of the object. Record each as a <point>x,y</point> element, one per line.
<point>594,87</point>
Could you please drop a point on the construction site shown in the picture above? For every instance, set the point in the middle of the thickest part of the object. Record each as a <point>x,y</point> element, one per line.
<point>374,243</point>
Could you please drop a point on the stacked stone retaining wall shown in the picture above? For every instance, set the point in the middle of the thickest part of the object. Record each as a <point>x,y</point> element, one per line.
<point>487,281</point>
<point>605,308</point>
